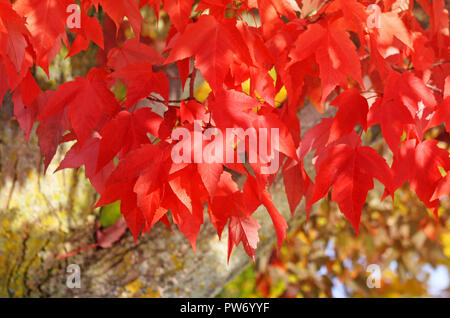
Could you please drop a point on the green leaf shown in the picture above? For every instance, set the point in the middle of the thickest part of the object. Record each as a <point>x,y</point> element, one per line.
<point>110,214</point>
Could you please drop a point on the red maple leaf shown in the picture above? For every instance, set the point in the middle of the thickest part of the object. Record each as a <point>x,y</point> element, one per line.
<point>141,81</point>
<point>90,30</point>
<point>224,42</point>
<point>420,163</point>
<point>334,52</point>
<point>350,171</point>
<point>130,52</point>
<point>400,103</point>
<point>46,21</point>
<point>179,12</point>
<point>89,101</point>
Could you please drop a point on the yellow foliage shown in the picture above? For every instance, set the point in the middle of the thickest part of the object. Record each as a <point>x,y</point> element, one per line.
<point>203,91</point>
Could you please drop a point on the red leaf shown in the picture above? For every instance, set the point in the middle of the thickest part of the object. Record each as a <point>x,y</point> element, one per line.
<point>334,52</point>
<point>297,184</point>
<point>126,132</point>
<point>186,204</point>
<point>426,176</point>
<point>118,9</point>
<point>30,89</point>
<point>399,105</point>
<point>127,181</point>
<point>213,60</point>
<point>226,201</point>
<point>233,109</point>
<point>210,174</point>
<point>141,82</point>
<point>193,110</point>
<point>51,129</point>
<point>442,113</point>
<point>353,109</point>
<point>88,101</point>
<point>403,164</point>
<point>86,154</point>
<point>442,189</point>
<point>390,26</point>
<point>350,171</point>
<point>46,21</point>
<point>179,12</point>
<point>243,229</point>
<point>90,30</point>
<point>15,36</point>
<point>107,237</point>
<point>255,195</point>
<point>317,138</point>
<point>131,52</point>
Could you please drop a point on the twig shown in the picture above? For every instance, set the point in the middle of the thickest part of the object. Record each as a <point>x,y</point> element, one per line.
<point>192,83</point>
<point>434,89</point>
<point>169,102</point>
<point>441,62</point>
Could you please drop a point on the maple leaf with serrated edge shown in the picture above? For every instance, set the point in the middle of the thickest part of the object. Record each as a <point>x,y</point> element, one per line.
<point>179,12</point>
<point>132,51</point>
<point>353,109</point>
<point>420,163</point>
<point>296,182</point>
<point>46,21</point>
<point>243,228</point>
<point>141,81</point>
<point>186,203</point>
<point>399,105</point>
<point>442,114</point>
<point>229,206</point>
<point>90,30</point>
<point>128,181</point>
<point>15,37</point>
<point>350,171</point>
<point>317,138</point>
<point>128,131</point>
<point>334,52</point>
<point>255,194</point>
<point>86,155</point>
<point>213,44</point>
<point>119,9</point>
<point>442,189</point>
<point>89,101</point>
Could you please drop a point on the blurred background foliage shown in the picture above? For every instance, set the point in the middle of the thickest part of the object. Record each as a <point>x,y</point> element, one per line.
<point>325,257</point>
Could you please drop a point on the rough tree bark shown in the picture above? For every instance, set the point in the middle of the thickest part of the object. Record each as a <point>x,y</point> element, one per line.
<point>43,216</point>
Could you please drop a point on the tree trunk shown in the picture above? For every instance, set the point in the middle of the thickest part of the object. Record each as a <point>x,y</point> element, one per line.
<point>43,216</point>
